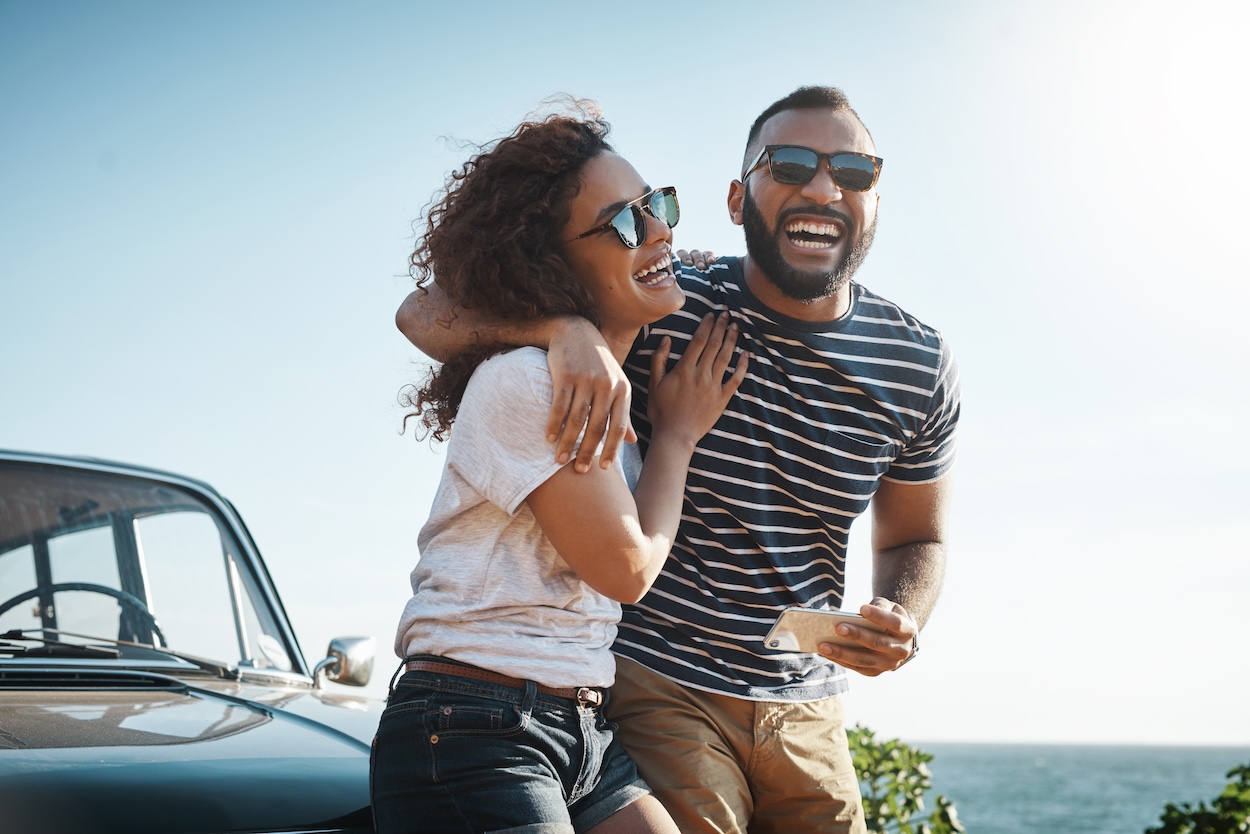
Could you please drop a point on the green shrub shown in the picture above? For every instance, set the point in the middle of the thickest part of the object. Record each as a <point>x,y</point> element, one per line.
<point>893,779</point>
<point>1229,812</point>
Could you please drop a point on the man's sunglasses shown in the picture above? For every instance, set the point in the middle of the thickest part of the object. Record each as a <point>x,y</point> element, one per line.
<point>630,224</point>
<point>796,165</point>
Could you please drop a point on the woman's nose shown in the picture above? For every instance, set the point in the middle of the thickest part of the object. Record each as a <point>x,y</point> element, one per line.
<point>657,229</point>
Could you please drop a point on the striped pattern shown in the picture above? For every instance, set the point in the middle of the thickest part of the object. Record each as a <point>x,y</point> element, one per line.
<point>825,412</point>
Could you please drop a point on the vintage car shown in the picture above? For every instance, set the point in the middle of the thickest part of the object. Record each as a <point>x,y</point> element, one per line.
<point>149,678</point>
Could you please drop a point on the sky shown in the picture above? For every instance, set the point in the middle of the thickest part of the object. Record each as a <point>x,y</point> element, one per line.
<point>206,211</point>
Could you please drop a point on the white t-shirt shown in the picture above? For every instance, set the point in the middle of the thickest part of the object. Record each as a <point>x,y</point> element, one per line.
<point>489,588</point>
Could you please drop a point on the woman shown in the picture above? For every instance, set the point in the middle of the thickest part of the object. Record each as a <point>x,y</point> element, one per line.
<point>497,721</point>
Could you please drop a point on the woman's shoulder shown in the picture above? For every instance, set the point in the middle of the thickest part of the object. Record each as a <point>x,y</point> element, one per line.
<point>515,376</point>
<point>513,367</point>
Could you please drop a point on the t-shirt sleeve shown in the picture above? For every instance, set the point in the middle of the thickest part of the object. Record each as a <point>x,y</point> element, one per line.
<point>498,441</point>
<point>931,453</point>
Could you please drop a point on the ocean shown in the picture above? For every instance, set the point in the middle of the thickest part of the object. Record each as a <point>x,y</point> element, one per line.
<point>1073,789</point>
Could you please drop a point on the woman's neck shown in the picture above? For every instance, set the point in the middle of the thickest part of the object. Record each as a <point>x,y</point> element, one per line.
<point>620,341</point>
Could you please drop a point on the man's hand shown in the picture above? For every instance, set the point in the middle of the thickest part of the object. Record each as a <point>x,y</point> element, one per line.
<point>591,390</point>
<point>697,258</point>
<point>877,652</point>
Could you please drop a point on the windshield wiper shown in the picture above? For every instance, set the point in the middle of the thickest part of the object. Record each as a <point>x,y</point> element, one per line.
<point>53,648</point>
<point>218,668</point>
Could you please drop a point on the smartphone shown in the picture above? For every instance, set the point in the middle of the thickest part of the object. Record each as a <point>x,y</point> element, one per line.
<point>801,629</point>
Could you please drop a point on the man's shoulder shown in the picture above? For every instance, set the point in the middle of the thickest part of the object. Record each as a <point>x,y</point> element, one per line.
<point>878,311</point>
<point>721,284</point>
<point>727,269</point>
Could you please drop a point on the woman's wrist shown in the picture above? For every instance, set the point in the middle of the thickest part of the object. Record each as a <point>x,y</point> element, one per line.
<point>673,441</point>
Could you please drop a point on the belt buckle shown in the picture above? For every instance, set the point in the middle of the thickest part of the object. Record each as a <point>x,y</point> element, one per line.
<point>589,695</point>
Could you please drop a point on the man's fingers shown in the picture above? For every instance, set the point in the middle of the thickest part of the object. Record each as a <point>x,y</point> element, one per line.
<point>596,428</point>
<point>857,660</point>
<point>570,430</point>
<point>697,258</point>
<point>618,430</point>
<point>890,615</point>
<point>702,259</point>
<point>607,420</point>
<point>560,402</point>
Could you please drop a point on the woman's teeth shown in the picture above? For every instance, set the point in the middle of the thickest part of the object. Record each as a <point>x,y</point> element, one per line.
<point>659,270</point>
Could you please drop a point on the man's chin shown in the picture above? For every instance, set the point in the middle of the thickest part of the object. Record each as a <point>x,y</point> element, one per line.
<point>806,287</point>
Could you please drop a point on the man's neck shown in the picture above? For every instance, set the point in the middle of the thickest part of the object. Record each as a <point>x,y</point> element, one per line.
<point>830,308</point>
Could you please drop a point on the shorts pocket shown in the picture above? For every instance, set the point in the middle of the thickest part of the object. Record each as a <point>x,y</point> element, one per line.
<point>450,715</point>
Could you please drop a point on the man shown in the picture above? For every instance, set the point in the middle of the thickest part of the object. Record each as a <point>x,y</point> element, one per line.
<point>848,400</point>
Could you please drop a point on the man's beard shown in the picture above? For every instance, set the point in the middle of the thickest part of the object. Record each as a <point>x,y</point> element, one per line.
<point>764,247</point>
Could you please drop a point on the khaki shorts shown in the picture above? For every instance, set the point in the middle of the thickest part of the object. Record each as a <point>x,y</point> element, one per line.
<point>724,764</point>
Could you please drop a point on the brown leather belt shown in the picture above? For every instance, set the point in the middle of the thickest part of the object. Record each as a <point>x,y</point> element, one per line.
<point>582,694</point>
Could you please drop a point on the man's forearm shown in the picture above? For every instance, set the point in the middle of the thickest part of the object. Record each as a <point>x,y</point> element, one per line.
<point>911,575</point>
<point>442,328</point>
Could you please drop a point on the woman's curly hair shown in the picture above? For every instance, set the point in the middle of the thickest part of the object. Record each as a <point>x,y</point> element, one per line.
<point>494,239</point>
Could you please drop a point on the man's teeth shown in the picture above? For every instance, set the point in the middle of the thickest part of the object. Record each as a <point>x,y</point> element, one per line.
<point>820,230</point>
<point>660,267</point>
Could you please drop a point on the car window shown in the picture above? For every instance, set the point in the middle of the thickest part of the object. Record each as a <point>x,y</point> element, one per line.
<point>17,570</point>
<point>131,559</point>
<point>193,585</point>
<point>88,557</point>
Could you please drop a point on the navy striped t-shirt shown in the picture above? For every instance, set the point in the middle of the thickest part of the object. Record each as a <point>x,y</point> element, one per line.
<point>827,410</point>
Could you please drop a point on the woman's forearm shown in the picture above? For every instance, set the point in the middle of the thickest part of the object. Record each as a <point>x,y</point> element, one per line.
<point>659,496</point>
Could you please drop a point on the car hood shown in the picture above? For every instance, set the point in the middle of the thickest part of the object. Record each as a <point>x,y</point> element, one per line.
<point>147,753</point>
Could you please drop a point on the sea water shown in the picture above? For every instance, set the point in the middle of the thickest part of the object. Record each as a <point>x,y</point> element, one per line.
<point>1074,789</point>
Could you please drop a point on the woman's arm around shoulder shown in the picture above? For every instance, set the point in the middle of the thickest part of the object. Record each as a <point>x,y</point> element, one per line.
<point>617,541</point>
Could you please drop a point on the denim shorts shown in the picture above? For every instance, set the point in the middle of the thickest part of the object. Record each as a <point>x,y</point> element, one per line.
<point>456,754</point>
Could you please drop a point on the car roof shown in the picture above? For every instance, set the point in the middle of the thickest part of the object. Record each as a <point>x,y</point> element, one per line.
<point>102,464</point>
<point>71,493</point>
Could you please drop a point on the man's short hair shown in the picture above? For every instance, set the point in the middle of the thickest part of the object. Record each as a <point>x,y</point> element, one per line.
<point>804,98</point>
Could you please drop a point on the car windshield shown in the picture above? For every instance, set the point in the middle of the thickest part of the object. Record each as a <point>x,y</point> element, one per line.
<point>129,559</point>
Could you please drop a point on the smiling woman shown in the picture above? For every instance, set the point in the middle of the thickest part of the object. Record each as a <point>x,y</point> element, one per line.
<point>506,639</point>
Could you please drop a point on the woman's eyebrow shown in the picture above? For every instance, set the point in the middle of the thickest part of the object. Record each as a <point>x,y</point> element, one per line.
<point>609,211</point>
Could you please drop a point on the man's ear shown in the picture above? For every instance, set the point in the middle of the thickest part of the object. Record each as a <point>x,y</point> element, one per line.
<point>737,191</point>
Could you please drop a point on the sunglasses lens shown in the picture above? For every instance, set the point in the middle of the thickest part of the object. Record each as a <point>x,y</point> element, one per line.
<point>796,166</point>
<point>664,207</point>
<point>853,172</point>
<point>793,166</point>
<point>630,226</point>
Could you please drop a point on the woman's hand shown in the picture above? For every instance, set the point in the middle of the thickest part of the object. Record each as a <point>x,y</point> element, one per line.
<point>617,541</point>
<point>686,402</point>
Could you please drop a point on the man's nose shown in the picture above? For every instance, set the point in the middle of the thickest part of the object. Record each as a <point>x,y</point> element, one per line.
<point>822,188</point>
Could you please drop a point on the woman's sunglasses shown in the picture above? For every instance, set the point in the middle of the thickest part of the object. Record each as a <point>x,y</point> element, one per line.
<point>630,224</point>
<point>796,165</point>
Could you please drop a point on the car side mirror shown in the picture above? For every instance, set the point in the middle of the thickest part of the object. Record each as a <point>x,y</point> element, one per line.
<point>349,661</point>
